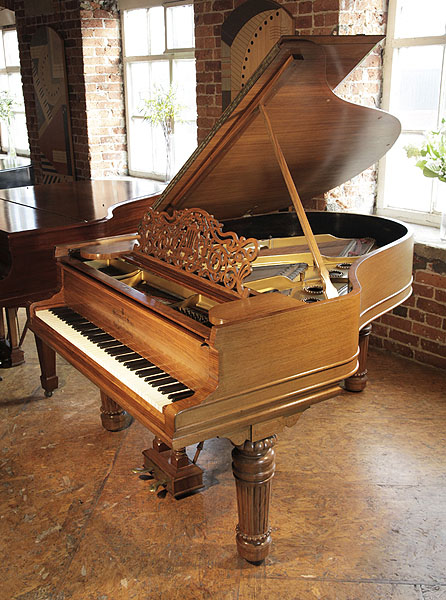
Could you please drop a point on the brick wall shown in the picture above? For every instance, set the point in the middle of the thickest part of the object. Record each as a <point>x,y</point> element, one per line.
<point>104,88</point>
<point>95,84</point>
<point>417,328</point>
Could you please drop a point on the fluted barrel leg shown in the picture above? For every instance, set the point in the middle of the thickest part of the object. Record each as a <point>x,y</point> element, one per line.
<point>358,381</point>
<point>113,417</point>
<point>253,467</point>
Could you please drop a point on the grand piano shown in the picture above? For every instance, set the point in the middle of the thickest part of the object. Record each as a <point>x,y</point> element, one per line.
<point>230,314</point>
<point>34,219</point>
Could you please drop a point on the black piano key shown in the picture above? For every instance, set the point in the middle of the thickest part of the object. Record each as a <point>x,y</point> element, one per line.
<point>127,357</point>
<point>157,378</point>
<point>180,395</point>
<point>101,337</point>
<point>118,350</point>
<point>83,326</point>
<point>149,371</point>
<point>72,319</point>
<point>172,387</point>
<point>134,365</point>
<point>62,310</point>
<point>89,333</point>
<point>159,383</point>
<point>94,331</point>
<point>111,344</point>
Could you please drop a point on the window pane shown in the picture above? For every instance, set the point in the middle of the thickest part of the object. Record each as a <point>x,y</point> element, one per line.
<point>136,32</point>
<point>414,19</point>
<point>416,78</point>
<point>180,26</point>
<point>138,79</point>
<point>147,148</point>
<point>2,52</point>
<point>143,77</point>
<point>16,89</point>
<point>11,48</point>
<point>156,28</point>
<point>405,185</point>
<point>20,133</point>
<point>185,142</point>
<point>4,86</point>
<point>147,145</point>
<point>184,82</point>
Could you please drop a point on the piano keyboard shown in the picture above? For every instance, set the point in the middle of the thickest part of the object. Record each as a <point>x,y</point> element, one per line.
<point>151,383</point>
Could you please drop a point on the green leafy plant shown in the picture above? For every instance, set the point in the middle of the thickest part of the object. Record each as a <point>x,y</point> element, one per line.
<point>162,109</point>
<point>431,155</point>
<point>7,104</point>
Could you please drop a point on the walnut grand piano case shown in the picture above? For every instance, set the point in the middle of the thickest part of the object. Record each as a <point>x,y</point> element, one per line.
<point>208,329</point>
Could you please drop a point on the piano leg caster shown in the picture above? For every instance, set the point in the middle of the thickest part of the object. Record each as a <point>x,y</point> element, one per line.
<point>47,360</point>
<point>358,381</point>
<point>172,470</point>
<point>113,417</point>
<point>253,465</point>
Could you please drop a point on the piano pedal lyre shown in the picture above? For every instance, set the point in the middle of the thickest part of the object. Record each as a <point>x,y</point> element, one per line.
<point>171,470</point>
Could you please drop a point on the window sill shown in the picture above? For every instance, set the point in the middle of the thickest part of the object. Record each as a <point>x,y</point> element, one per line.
<point>428,243</point>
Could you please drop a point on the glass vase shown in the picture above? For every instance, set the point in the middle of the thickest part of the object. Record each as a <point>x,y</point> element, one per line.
<point>443,225</point>
<point>12,154</point>
<point>169,158</point>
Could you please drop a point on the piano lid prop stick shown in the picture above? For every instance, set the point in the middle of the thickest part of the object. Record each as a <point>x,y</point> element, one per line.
<point>329,289</point>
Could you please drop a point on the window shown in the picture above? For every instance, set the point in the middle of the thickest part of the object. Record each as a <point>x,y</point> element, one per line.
<point>415,92</point>
<point>11,82</point>
<point>159,52</point>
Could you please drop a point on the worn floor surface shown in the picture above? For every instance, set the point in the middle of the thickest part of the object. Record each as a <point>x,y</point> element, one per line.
<point>358,511</point>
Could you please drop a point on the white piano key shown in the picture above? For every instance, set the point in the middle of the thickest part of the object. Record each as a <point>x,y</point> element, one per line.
<point>99,356</point>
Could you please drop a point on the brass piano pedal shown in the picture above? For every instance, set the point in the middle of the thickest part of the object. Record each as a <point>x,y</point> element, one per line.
<point>138,470</point>
<point>159,483</point>
<point>144,473</point>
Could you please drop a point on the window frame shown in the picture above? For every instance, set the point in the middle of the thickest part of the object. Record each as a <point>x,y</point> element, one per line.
<point>170,54</point>
<point>431,218</point>
<point>9,70</point>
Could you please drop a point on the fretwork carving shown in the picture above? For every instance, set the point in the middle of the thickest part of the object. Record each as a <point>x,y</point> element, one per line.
<point>193,240</point>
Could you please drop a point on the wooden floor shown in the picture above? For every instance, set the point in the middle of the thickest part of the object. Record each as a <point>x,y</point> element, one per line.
<point>358,511</point>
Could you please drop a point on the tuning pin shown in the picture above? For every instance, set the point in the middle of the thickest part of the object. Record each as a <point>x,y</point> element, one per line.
<point>154,487</point>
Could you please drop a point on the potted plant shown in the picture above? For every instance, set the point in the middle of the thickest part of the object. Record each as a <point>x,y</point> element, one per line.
<point>163,109</point>
<point>7,103</point>
<point>431,159</point>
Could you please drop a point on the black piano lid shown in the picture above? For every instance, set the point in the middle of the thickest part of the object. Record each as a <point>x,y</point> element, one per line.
<point>326,141</point>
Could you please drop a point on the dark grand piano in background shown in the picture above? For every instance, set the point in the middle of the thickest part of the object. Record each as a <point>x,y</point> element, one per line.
<point>233,329</point>
<point>34,219</point>
<point>15,171</point>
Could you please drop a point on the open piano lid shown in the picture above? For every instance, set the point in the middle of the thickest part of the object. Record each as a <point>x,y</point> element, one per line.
<point>325,140</point>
